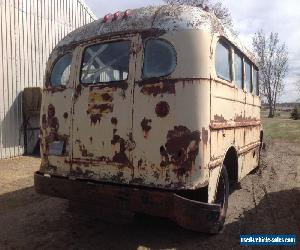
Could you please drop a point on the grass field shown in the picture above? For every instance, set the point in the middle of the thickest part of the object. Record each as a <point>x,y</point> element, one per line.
<point>281,127</point>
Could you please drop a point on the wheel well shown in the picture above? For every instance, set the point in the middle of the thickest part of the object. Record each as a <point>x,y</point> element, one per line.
<point>231,163</point>
<point>261,136</point>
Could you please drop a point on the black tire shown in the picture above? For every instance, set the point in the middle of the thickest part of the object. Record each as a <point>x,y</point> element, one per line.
<point>222,196</point>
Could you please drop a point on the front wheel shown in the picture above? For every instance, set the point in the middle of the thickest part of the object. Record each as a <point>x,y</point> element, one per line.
<point>222,196</point>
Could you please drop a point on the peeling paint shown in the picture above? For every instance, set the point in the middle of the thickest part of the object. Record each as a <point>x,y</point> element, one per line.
<point>146,126</point>
<point>181,149</point>
<point>166,87</point>
<point>162,109</point>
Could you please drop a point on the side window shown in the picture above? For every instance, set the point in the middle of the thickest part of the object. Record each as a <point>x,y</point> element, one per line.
<point>160,58</point>
<point>255,82</point>
<point>61,71</point>
<point>223,62</point>
<point>238,69</point>
<point>105,62</point>
<point>248,77</point>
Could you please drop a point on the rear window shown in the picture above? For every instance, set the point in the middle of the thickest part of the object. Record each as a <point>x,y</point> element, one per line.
<point>223,63</point>
<point>105,62</point>
<point>61,71</point>
<point>248,77</point>
<point>159,58</point>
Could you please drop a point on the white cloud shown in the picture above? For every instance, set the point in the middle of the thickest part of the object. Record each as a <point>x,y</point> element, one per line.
<point>249,16</point>
<point>272,16</point>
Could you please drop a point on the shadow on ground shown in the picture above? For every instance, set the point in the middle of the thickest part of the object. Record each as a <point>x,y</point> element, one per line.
<point>29,220</point>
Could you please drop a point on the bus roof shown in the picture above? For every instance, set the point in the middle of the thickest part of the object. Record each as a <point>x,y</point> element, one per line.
<point>164,17</point>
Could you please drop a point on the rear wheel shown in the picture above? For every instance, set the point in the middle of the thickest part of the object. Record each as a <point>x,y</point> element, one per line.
<point>222,196</point>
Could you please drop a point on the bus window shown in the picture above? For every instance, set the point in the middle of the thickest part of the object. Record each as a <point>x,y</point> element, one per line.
<point>255,82</point>
<point>160,58</point>
<point>61,71</point>
<point>238,69</point>
<point>248,77</point>
<point>106,62</point>
<point>223,65</point>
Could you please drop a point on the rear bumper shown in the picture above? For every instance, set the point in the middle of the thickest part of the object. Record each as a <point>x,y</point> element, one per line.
<point>190,214</point>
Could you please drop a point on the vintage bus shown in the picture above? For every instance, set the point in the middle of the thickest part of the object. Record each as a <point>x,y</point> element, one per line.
<point>154,110</point>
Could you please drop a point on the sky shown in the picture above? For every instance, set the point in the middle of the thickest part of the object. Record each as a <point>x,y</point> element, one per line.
<point>249,16</point>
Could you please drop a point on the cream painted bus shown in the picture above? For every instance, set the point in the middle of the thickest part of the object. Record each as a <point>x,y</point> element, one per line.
<point>154,110</point>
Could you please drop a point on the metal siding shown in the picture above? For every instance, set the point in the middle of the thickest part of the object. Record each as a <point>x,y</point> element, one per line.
<point>29,30</point>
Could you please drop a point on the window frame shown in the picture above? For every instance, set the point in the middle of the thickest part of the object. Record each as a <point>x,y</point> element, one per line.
<point>241,55</point>
<point>113,83</point>
<point>228,46</point>
<point>143,59</point>
<point>53,63</point>
<point>247,61</point>
<point>255,91</point>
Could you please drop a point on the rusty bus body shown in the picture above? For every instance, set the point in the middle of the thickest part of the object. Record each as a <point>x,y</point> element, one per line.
<point>150,128</point>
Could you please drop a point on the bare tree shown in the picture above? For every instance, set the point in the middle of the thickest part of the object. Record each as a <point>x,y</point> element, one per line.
<point>220,11</point>
<point>273,63</point>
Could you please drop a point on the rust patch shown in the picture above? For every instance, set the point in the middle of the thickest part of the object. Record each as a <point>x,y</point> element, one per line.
<point>114,121</point>
<point>78,91</point>
<point>219,118</point>
<point>145,124</point>
<point>100,97</point>
<point>54,89</point>
<point>239,121</point>
<point>162,109</point>
<point>152,33</point>
<point>118,178</point>
<point>140,162</point>
<point>121,84</point>
<point>84,152</point>
<point>50,127</point>
<point>51,122</point>
<point>96,111</point>
<point>165,157</point>
<point>120,157</point>
<point>44,121</point>
<point>242,119</point>
<point>154,89</point>
<point>107,97</point>
<point>51,111</point>
<point>181,149</point>
<point>95,118</point>
<point>204,136</point>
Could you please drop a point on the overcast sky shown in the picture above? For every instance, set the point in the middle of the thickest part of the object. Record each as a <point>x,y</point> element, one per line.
<point>249,16</point>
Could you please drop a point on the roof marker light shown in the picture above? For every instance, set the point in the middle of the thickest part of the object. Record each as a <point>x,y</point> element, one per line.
<point>116,15</point>
<point>126,14</point>
<point>105,18</point>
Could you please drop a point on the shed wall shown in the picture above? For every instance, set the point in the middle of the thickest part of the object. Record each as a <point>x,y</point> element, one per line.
<point>29,30</point>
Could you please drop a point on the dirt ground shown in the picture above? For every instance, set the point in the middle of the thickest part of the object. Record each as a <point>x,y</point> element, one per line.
<point>267,201</point>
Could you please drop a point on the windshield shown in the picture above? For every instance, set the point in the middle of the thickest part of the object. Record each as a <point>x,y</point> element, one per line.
<point>105,62</point>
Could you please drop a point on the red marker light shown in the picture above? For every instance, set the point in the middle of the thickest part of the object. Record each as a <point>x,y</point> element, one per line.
<point>105,18</point>
<point>116,15</point>
<point>126,14</point>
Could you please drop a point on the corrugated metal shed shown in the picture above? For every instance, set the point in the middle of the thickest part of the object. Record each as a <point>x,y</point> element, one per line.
<point>29,30</point>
